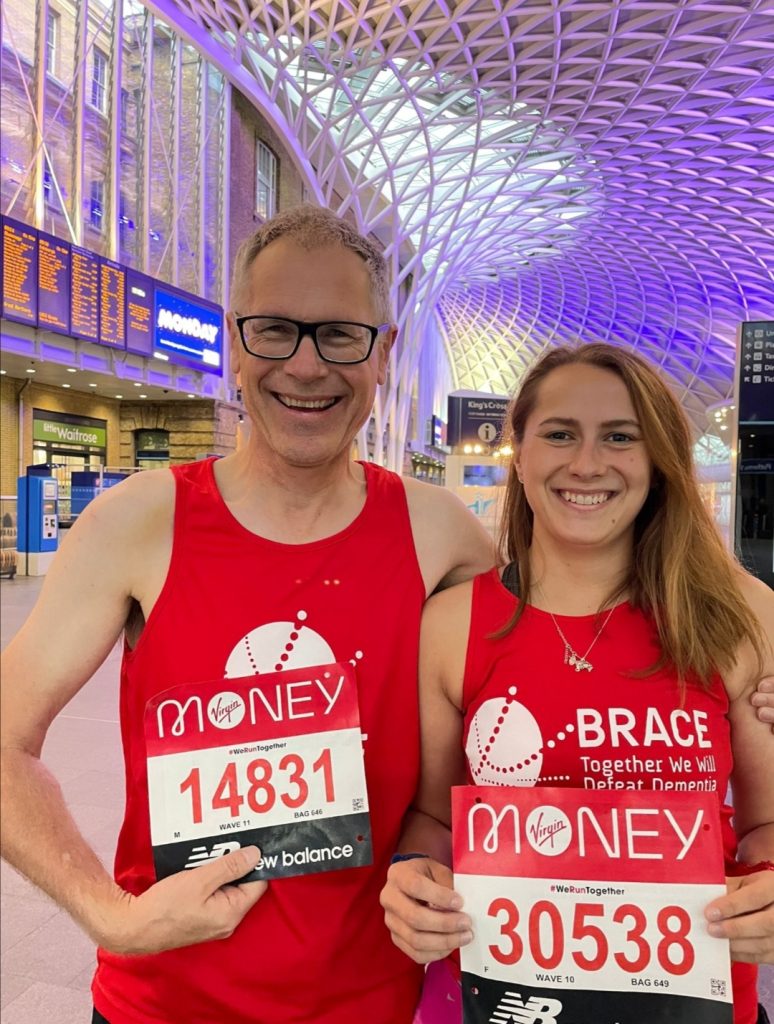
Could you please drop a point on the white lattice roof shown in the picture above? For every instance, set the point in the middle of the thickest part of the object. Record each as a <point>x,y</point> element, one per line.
<point>601,169</point>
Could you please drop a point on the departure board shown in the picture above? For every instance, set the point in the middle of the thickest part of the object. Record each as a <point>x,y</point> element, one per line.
<point>53,284</point>
<point>84,294</point>
<point>112,304</point>
<point>139,313</point>
<point>20,272</point>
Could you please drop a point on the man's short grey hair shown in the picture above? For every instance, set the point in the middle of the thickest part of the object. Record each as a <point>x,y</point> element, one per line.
<point>314,227</point>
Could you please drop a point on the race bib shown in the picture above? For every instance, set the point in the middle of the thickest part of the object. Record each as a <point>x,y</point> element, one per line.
<point>587,906</point>
<point>274,761</point>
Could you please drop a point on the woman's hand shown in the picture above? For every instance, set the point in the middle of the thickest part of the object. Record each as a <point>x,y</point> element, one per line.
<point>745,915</point>
<point>422,910</point>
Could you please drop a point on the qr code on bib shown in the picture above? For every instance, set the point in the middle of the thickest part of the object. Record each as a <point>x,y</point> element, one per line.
<point>717,987</point>
<point>357,804</point>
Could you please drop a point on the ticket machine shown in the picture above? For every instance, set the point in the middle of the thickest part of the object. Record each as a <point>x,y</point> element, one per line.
<point>38,523</point>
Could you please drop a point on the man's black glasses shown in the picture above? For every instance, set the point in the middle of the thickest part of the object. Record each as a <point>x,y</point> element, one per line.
<point>276,337</point>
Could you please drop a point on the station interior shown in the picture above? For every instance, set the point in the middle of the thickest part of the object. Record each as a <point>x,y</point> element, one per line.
<point>536,173</point>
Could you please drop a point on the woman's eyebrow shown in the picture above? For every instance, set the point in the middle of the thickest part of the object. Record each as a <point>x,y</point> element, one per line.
<point>565,421</point>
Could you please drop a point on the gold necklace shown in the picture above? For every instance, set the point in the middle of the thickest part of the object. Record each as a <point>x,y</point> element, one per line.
<point>580,662</point>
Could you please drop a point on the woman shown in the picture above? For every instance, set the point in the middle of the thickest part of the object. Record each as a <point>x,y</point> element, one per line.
<point>627,599</point>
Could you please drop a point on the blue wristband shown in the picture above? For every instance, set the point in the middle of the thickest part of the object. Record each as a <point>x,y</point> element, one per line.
<point>398,857</point>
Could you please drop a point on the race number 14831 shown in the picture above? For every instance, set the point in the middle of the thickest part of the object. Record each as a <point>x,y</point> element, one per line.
<point>260,783</point>
<point>274,761</point>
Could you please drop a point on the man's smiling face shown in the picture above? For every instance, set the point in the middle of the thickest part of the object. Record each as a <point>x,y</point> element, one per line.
<point>304,411</point>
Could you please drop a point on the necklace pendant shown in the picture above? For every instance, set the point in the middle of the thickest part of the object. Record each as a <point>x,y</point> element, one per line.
<point>577,661</point>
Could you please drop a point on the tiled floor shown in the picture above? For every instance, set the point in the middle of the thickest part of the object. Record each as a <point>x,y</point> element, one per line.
<point>47,962</point>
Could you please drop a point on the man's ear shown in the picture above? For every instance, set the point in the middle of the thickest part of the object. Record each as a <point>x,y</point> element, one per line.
<point>385,343</point>
<point>234,345</point>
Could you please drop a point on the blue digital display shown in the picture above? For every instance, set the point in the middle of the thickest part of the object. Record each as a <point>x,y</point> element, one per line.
<point>112,304</point>
<point>53,284</point>
<point>84,294</point>
<point>139,313</point>
<point>187,332</point>
<point>20,272</point>
<point>49,283</point>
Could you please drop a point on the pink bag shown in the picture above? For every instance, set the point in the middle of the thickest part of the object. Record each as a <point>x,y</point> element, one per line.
<point>441,1001</point>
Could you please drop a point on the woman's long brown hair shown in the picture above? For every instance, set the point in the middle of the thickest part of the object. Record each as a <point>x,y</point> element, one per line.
<point>680,573</point>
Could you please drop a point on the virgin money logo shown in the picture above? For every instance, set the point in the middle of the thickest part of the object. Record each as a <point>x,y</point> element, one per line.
<point>548,831</point>
<point>226,710</point>
<point>513,1010</point>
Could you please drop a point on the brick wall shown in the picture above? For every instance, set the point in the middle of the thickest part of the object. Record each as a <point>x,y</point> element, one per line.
<point>9,434</point>
<point>41,396</point>
<point>247,125</point>
<point>194,428</point>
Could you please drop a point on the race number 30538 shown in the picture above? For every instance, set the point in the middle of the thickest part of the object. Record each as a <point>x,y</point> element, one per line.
<point>274,760</point>
<point>590,903</point>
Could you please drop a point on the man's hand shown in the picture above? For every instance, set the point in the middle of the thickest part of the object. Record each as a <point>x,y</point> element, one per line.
<point>745,916</point>
<point>421,910</point>
<point>763,700</point>
<point>190,907</point>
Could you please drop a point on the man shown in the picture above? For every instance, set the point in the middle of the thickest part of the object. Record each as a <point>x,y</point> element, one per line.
<point>202,568</point>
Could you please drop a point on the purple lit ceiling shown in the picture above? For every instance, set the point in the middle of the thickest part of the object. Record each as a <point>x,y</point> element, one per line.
<point>559,170</point>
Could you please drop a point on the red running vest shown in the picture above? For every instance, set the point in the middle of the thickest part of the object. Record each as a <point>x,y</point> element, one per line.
<point>313,949</point>
<point>559,729</point>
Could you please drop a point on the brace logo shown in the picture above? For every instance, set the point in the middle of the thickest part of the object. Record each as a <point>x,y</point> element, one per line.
<point>536,1010</point>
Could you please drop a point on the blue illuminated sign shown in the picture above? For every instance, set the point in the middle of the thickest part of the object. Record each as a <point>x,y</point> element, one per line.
<point>187,332</point>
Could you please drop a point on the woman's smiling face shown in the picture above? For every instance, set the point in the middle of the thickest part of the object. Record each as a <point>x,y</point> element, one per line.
<point>583,462</point>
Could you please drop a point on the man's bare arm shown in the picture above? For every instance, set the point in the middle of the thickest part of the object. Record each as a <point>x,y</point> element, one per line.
<point>763,700</point>
<point>451,544</point>
<point>746,914</point>
<point>81,612</point>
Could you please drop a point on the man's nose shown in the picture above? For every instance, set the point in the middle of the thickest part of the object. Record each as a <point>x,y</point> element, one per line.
<point>306,361</point>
